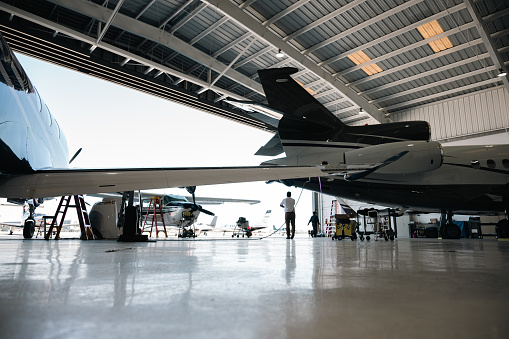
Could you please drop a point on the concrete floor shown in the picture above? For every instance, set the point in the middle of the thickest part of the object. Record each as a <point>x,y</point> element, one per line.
<point>272,288</point>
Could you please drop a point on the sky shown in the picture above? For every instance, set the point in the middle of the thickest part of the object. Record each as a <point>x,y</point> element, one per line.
<point>118,127</point>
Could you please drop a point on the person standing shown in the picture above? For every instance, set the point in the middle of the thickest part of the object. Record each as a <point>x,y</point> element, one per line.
<point>288,204</point>
<point>314,222</point>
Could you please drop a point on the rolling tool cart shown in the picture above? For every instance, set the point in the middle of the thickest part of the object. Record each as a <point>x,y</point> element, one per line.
<point>344,228</point>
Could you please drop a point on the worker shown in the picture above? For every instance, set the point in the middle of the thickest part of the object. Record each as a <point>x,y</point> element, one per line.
<point>314,222</point>
<point>288,204</point>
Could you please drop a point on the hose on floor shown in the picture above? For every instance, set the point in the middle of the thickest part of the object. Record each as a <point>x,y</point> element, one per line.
<point>296,203</point>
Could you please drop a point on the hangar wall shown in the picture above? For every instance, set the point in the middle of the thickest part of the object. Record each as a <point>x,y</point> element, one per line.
<point>482,113</point>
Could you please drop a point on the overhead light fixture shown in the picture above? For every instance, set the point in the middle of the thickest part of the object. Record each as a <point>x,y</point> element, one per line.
<point>501,73</point>
<point>279,54</point>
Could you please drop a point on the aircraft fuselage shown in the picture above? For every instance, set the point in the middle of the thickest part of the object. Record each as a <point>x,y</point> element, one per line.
<point>471,178</point>
<point>30,137</point>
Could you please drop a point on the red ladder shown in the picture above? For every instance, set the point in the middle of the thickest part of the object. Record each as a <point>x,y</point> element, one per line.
<point>154,208</point>
<point>81,210</point>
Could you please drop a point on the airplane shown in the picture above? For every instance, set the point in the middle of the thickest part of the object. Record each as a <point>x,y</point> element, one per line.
<point>392,164</point>
<point>281,230</point>
<point>177,212</point>
<point>35,157</point>
<point>204,228</point>
<point>242,227</point>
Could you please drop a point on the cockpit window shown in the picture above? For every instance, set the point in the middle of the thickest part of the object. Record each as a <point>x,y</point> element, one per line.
<point>17,76</point>
<point>173,198</point>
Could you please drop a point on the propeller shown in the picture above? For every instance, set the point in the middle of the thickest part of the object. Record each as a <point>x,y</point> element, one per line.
<point>75,155</point>
<point>191,190</point>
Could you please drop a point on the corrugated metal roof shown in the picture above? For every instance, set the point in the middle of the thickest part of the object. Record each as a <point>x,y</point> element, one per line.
<point>317,37</point>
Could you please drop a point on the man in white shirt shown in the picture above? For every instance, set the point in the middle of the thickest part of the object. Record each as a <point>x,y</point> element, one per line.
<point>289,205</point>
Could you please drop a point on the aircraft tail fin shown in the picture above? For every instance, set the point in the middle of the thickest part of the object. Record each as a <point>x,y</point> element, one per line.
<point>213,222</point>
<point>285,94</point>
<point>266,217</point>
<point>306,119</point>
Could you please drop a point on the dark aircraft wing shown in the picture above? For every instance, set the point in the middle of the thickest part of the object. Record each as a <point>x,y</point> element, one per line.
<point>53,183</point>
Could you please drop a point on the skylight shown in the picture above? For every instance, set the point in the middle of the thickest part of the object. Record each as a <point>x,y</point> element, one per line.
<point>360,58</point>
<point>431,29</point>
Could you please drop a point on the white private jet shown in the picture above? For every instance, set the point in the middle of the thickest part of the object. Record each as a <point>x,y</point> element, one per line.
<point>35,157</point>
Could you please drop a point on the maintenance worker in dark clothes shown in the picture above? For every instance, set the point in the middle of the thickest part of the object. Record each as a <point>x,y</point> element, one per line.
<point>288,204</point>
<point>314,222</point>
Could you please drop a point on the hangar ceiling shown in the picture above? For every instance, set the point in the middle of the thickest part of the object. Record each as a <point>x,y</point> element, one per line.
<point>363,59</point>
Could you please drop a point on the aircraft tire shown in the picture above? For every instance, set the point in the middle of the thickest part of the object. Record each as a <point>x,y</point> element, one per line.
<point>451,231</point>
<point>361,237</point>
<point>368,238</point>
<point>29,229</point>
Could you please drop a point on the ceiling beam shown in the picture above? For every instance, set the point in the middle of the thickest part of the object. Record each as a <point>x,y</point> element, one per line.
<point>243,19</point>
<point>394,34</point>
<point>188,17</point>
<point>126,55</point>
<point>252,57</point>
<point>208,30</point>
<point>407,48</point>
<point>488,42</point>
<point>284,12</point>
<point>441,94</point>
<point>435,84</point>
<point>231,44</point>
<point>157,35</point>
<point>361,26</point>
<point>427,73</point>
<point>323,19</point>
<point>228,67</point>
<point>433,56</point>
<point>107,25</point>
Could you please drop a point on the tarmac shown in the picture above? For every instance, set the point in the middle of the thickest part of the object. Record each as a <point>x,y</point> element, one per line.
<point>239,288</point>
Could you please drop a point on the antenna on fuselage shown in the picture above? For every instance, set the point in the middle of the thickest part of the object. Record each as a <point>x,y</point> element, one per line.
<point>75,155</point>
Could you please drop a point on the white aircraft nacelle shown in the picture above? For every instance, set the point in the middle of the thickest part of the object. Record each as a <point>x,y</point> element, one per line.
<point>407,156</point>
<point>103,217</point>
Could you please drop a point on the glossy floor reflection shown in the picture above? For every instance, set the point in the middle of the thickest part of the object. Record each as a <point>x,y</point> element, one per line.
<point>272,288</point>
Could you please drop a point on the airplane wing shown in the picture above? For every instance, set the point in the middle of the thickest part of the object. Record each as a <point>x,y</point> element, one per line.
<point>54,183</point>
<point>219,201</point>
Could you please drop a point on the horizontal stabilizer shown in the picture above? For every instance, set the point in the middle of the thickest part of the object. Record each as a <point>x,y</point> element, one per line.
<point>272,148</point>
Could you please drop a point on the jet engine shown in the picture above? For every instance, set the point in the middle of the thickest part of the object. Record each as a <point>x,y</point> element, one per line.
<point>403,157</point>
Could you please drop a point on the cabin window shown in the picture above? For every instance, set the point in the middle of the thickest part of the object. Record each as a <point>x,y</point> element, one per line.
<point>491,164</point>
<point>475,164</point>
<point>505,162</point>
<point>38,99</point>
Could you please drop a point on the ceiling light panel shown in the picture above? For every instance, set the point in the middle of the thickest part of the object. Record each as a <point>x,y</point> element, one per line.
<point>430,30</point>
<point>360,58</point>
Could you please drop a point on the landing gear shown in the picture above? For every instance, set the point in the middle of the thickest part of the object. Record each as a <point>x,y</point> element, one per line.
<point>29,228</point>
<point>449,230</point>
